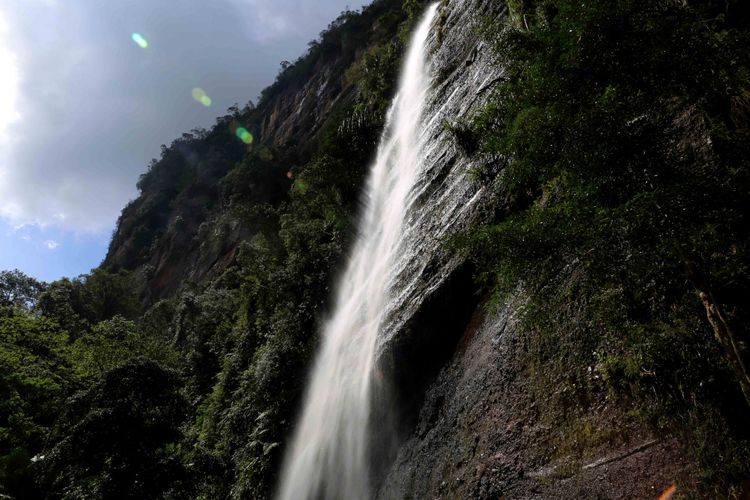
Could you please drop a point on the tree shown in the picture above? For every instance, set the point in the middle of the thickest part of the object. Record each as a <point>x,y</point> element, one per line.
<point>118,438</point>
<point>18,290</point>
<point>78,304</point>
<point>34,376</point>
<point>112,342</point>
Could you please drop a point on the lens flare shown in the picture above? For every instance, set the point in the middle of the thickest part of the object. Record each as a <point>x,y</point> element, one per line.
<point>139,40</point>
<point>244,135</point>
<point>668,493</point>
<point>200,95</point>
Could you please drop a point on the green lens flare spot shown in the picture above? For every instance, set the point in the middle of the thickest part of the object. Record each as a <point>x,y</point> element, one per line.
<point>244,135</point>
<point>200,95</point>
<point>139,40</point>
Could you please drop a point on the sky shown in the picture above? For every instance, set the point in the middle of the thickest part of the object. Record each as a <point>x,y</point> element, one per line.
<point>90,89</point>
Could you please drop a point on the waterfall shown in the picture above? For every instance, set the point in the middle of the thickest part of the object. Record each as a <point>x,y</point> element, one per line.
<point>329,453</point>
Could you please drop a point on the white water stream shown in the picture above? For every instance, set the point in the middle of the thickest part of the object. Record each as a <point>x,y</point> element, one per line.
<point>329,453</point>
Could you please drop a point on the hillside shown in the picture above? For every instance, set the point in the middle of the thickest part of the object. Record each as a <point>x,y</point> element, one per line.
<point>567,316</point>
<point>199,200</point>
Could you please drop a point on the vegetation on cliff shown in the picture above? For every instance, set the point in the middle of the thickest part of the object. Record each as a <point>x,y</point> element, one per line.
<point>618,148</point>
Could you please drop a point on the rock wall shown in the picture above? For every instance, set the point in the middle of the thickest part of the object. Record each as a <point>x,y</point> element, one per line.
<point>471,424</point>
<point>193,235</point>
<point>481,433</point>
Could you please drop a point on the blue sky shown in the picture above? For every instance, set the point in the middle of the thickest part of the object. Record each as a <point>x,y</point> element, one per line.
<point>51,252</point>
<point>83,108</point>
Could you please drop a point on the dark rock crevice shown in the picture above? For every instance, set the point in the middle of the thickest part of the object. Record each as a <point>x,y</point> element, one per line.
<point>411,362</point>
<point>428,341</point>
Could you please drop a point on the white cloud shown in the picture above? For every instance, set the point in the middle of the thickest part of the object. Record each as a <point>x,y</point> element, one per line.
<point>266,20</point>
<point>8,83</point>
<point>283,19</point>
<point>26,237</point>
<point>51,244</point>
<point>93,108</point>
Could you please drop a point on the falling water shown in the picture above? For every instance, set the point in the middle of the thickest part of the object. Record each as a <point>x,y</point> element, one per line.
<point>329,454</point>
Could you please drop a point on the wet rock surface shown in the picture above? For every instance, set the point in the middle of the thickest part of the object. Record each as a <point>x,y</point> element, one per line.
<point>445,199</point>
<point>481,435</point>
<point>471,427</point>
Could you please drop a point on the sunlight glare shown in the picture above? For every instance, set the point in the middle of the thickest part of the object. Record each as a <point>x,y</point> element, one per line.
<point>244,135</point>
<point>668,493</point>
<point>139,40</point>
<point>200,95</point>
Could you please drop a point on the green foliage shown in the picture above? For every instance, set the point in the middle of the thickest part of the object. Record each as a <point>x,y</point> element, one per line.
<point>156,321</point>
<point>245,339</point>
<point>280,219</point>
<point>41,365</point>
<point>80,303</point>
<point>34,375</point>
<point>282,276</point>
<point>283,280</point>
<point>256,179</point>
<point>118,438</point>
<point>464,137</point>
<point>343,37</point>
<point>201,326</point>
<point>190,168</point>
<point>111,343</point>
<point>375,73</point>
<point>622,180</point>
<point>18,290</point>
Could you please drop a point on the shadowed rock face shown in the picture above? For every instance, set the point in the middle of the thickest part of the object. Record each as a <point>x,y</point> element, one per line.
<point>480,434</point>
<point>295,115</point>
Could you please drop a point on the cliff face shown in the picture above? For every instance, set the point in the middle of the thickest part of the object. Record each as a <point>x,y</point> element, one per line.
<point>196,235</point>
<point>187,223</point>
<point>294,116</point>
<point>492,404</point>
<point>236,245</point>
<point>475,421</point>
<point>267,225</point>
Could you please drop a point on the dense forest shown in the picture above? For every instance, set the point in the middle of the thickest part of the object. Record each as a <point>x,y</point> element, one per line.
<point>616,147</point>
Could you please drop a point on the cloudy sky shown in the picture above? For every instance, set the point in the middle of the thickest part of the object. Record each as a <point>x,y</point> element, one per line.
<point>85,104</point>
